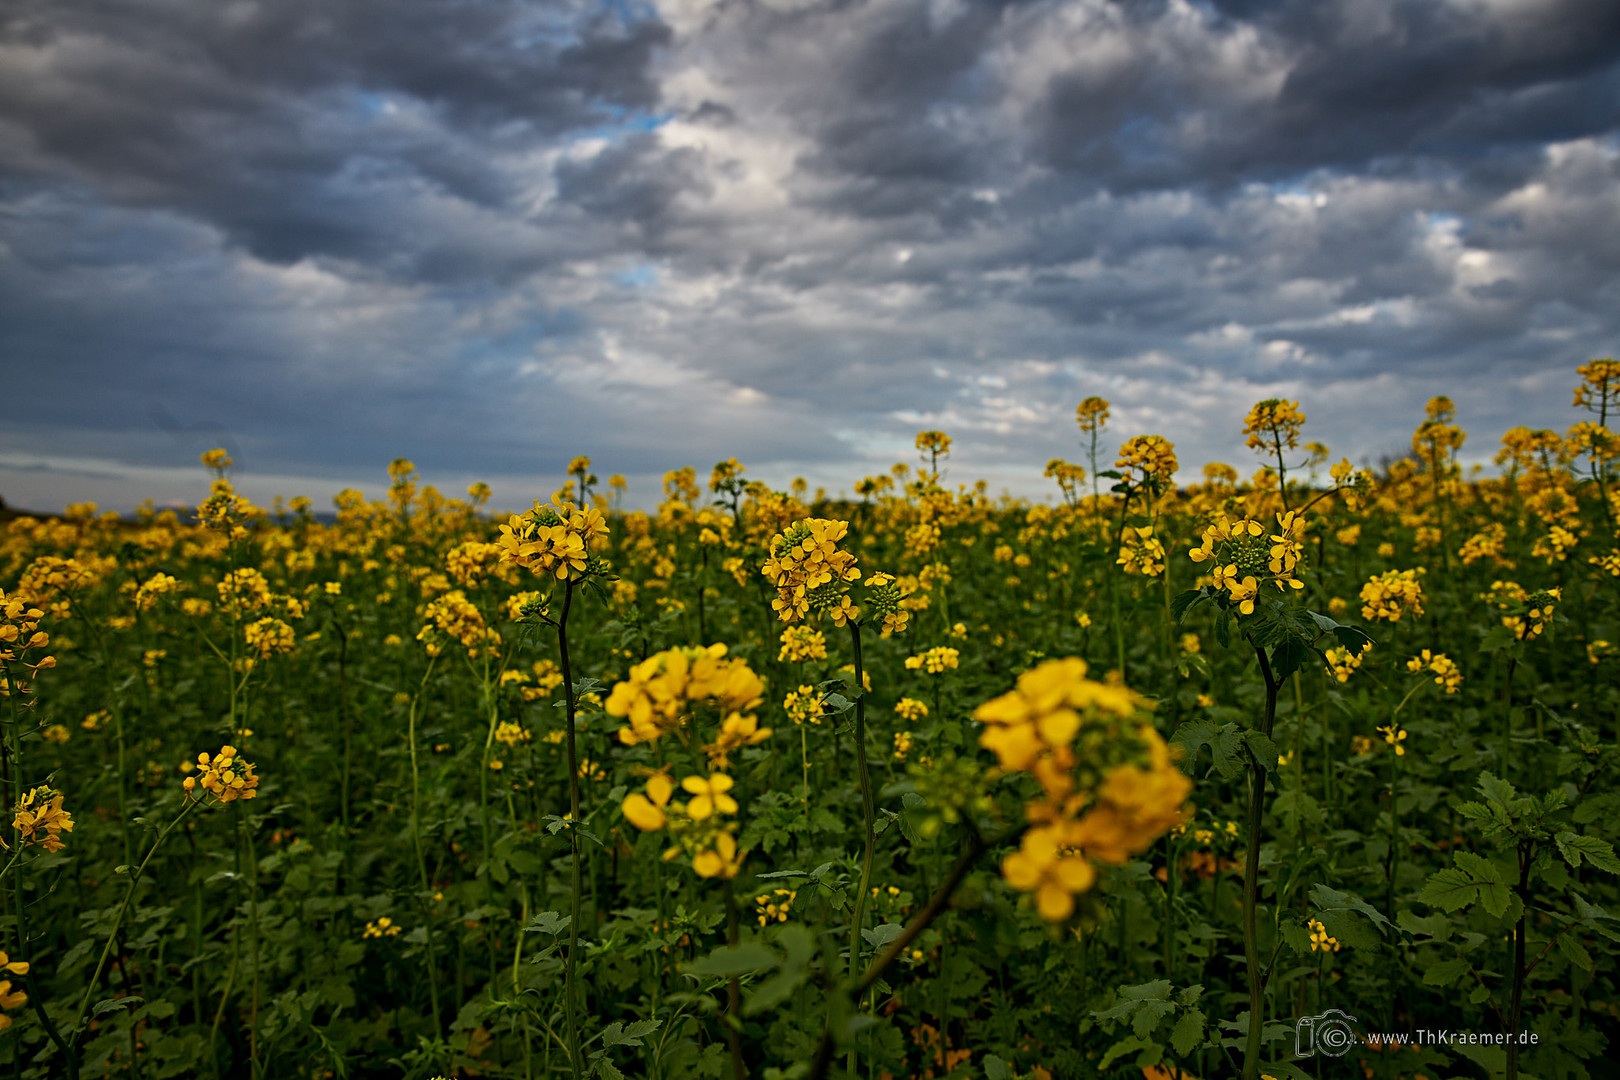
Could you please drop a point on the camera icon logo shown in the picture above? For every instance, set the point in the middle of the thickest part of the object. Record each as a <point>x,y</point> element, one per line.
<point>1331,1034</point>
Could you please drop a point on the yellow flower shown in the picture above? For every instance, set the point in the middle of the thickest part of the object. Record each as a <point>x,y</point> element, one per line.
<point>910,709</point>
<point>225,777</point>
<point>1394,736</point>
<point>1320,941</point>
<point>1053,875</point>
<point>723,860</point>
<point>40,819</point>
<point>646,812</point>
<point>709,797</point>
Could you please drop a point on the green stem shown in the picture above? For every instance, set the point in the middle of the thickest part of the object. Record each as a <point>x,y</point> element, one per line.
<point>571,964</point>
<point>416,840</point>
<point>858,917</point>
<point>1251,881</point>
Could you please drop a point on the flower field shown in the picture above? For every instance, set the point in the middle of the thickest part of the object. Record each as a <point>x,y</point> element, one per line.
<point>914,783</point>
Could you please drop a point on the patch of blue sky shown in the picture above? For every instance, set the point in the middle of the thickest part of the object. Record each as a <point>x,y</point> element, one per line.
<point>619,121</point>
<point>641,276</point>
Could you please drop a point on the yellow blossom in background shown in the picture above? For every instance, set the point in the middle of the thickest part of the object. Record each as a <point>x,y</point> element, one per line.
<point>1394,736</point>
<point>1343,663</point>
<point>1320,941</point>
<point>774,905</point>
<point>1392,594</point>
<point>801,643</point>
<point>910,709</point>
<point>269,637</point>
<point>658,694</point>
<point>902,745</point>
<point>160,584</point>
<point>1153,455</point>
<point>935,661</point>
<point>383,927</point>
<point>1091,414</point>
<point>1142,552</point>
<point>803,705</point>
<point>1444,669</point>
<point>1273,423</point>
<point>508,733</point>
<point>224,776</point>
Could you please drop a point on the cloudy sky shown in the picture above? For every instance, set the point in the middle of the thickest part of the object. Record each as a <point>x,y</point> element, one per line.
<point>492,234</point>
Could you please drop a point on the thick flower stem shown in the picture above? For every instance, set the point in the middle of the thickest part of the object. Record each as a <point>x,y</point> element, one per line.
<point>571,963</point>
<point>1251,880</point>
<point>858,917</point>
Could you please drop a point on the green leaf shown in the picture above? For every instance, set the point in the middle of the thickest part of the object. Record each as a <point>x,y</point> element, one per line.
<point>1477,867</point>
<point>1600,853</point>
<point>996,1069</point>
<point>1499,637</point>
<point>782,874</point>
<point>1446,972</point>
<point>1352,637</point>
<point>1188,1032</point>
<point>1182,601</point>
<point>1449,890</point>
<point>617,1034</point>
<point>1575,952</point>
<point>730,960</point>
<point>547,922</point>
<point>1497,791</point>
<point>110,1005</point>
<point>1288,657</point>
<point>1263,749</point>
<point>1129,1044</point>
<point>1191,994</point>
<point>1158,989</point>
<point>1327,899</point>
<point>882,934</point>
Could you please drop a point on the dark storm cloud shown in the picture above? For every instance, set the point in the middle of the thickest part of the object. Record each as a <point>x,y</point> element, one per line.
<point>491,235</point>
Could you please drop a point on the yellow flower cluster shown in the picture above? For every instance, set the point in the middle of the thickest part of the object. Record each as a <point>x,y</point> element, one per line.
<point>910,709</point>
<point>1392,594</point>
<point>509,733</point>
<point>1444,668</point>
<point>551,541</point>
<point>658,694</point>
<point>695,822</point>
<point>1245,555</point>
<point>40,819</point>
<point>471,562</point>
<point>383,927</point>
<point>801,643</point>
<point>1273,423</point>
<point>1395,736</point>
<point>1600,385</point>
<point>268,637</point>
<point>1143,553</point>
<point>453,615</point>
<point>1343,663</point>
<point>1034,729</point>
<point>20,632</point>
<point>244,590</point>
<point>1556,545</point>
<point>1091,414</point>
<point>146,597</point>
<point>803,705</point>
<point>774,905</point>
<point>1320,941</point>
<point>804,558</point>
<point>935,661</point>
<point>1153,455</point>
<point>225,776</point>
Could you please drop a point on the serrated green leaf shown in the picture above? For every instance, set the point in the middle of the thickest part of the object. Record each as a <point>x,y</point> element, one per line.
<point>1188,1032</point>
<point>728,960</point>
<point>1600,853</point>
<point>1575,952</point>
<point>1449,890</point>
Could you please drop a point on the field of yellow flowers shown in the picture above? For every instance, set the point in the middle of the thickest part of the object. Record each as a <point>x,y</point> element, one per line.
<point>914,784</point>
